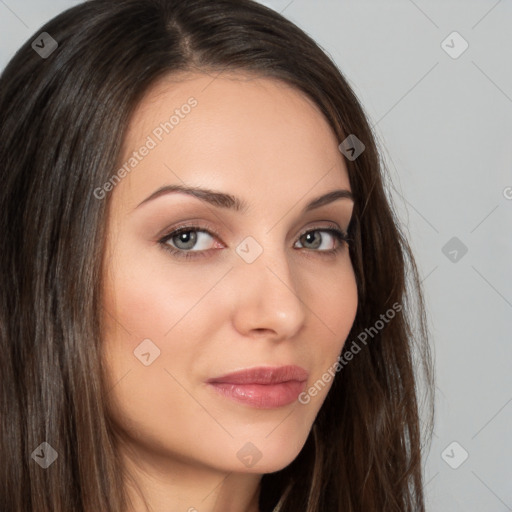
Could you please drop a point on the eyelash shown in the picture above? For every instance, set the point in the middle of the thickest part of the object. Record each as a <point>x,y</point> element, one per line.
<point>339,235</point>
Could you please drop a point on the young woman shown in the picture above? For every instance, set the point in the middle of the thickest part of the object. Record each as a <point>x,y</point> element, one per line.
<point>207,303</point>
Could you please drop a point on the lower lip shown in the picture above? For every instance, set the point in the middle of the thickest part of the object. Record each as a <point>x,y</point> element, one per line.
<point>261,396</point>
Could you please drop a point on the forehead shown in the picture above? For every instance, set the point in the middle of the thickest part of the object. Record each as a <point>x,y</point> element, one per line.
<point>231,130</point>
<point>233,100</point>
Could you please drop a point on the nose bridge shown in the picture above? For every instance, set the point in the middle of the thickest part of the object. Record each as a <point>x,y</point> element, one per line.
<point>268,292</point>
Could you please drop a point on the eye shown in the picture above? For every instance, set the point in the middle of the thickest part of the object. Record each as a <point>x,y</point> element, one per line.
<point>195,241</point>
<point>188,239</point>
<point>315,239</point>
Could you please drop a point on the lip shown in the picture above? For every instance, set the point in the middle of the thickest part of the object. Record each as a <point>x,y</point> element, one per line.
<point>263,375</point>
<point>262,387</point>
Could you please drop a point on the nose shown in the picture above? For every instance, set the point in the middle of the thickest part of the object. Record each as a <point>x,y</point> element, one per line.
<point>267,298</point>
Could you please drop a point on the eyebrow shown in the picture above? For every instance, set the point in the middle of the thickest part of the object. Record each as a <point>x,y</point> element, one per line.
<point>228,201</point>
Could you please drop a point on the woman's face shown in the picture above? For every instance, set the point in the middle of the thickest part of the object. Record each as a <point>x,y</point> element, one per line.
<point>241,287</point>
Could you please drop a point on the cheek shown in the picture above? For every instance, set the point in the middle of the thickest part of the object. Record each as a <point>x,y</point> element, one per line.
<point>149,347</point>
<point>147,295</point>
<point>335,303</point>
<point>335,310</point>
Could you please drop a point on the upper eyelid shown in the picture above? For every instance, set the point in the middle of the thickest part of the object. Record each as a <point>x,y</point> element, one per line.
<point>212,232</point>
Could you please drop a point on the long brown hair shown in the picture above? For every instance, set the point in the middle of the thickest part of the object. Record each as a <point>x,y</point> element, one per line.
<point>64,118</point>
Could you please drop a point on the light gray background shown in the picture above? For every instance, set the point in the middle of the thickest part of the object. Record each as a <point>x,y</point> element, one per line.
<point>444,125</point>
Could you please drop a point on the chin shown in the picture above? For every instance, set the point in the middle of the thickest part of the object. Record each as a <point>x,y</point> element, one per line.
<point>262,454</point>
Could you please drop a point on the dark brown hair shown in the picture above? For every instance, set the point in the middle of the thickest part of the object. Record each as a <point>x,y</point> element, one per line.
<point>64,119</point>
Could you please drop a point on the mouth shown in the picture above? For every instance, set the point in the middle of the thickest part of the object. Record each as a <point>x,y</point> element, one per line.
<point>262,387</point>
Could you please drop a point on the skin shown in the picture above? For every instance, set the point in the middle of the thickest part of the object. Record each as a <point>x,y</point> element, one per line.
<point>269,145</point>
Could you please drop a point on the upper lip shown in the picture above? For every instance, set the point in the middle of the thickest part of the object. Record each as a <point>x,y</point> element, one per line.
<point>263,375</point>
